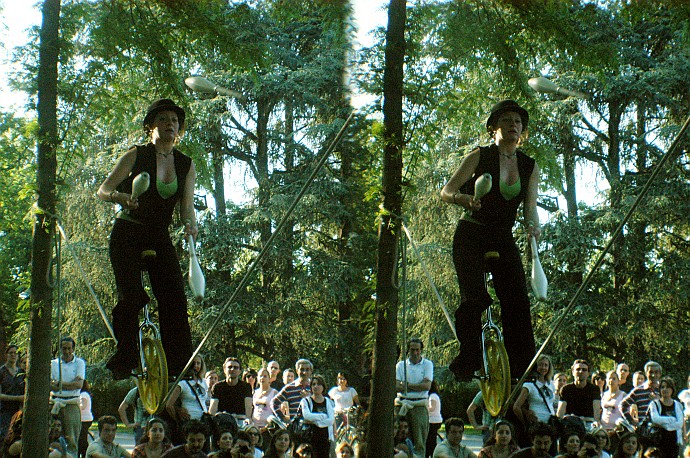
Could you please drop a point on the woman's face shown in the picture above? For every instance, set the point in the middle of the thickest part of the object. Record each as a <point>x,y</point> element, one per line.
<point>572,445</point>
<point>196,365</point>
<point>665,390</point>
<point>165,126</point>
<point>342,381</point>
<point>251,379</point>
<point>508,127</point>
<point>254,434</point>
<point>282,442</point>
<point>560,381</point>
<point>316,387</point>
<point>264,378</point>
<point>211,379</point>
<point>543,367</point>
<point>629,445</point>
<point>288,377</point>
<point>225,441</point>
<point>503,435</point>
<point>156,432</point>
<point>612,381</point>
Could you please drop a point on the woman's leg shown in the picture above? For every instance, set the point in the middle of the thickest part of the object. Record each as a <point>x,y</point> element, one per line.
<point>468,256</point>
<point>168,287</point>
<point>125,252</point>
<point>511,288</point>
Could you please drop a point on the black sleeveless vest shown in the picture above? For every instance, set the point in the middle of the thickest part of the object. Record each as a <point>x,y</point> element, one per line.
<point>496,211</point>
<point>153,209</point>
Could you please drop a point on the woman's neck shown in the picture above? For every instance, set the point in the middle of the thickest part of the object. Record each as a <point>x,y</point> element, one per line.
<point>318,397</point>
<point>506,148</point>
<point>163,148</point>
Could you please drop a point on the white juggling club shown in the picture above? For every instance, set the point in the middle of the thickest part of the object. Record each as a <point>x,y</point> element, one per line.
<point>546,86</point>
<point>482,186</point>
<point>140,184</point>
<point>197,282</point>
<point>201,84</point>
<point>539,282</point>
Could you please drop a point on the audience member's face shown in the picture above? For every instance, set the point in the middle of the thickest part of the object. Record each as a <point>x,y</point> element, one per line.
<point>629,446</point>
<point>403,428</point>
<point>580,372</point>
<point>503,435</point>
<point>211,379</point>
<point>195,443</point>
<point>572,445</point>
<point>612,381</point>
<point>454,435</point>
<point>288,376</point>
<point>282,443</point>
<point>225,441</point>
<point>55,427</point>
<point>653,374</point>
<point>345,452</point>
<point>638,379</point>
<point>156,433</point>
<point>316,387</point>
<point>67,351</point>
<point>232,370</point>
<point>560,381</point>
<point>304,371</point>
<point>623,371</point>
<point>414,352</point>
<point>541,446</point>
<point>107,433</point>
<point>274,369</point>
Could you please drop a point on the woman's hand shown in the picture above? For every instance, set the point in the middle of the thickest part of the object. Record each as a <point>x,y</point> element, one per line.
<point>125,200</point>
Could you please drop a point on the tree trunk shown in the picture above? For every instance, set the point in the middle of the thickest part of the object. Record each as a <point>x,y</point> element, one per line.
<point>380,437</point>
<point>36,412</point>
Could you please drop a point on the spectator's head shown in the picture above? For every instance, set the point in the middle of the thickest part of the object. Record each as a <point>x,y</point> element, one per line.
<point>623,371</point>
<point>289,376</point>
<point>638,378</point>
<point>254,436</point>
<point>264,377</point>
<point>544,367</point>
<point>541,436</point>
<point>570,443</point>
<point>14,431</point>
<point>455,428</point>
<point>434,387</point>
<point>402,430</point>
<point>612,380</point>
<point>599,379</point>
<point>304,369</point>
<point>242,447</point>
<point>503,433</point>
<point>652,370</point>
<point>415,347</point>
<point>280,443</point>
<point>342,379</point>
<point>211,378</point>
<point>627,446</point>
<point>223,440</point>
<point>198,368</point>
<point>318,384</point>
<point>232,368</point>
<point>12,354</point>
<point>107,428</point>
<point>55,428</point>
<point>304,451</point>
<point>667,387</point>
<point>155,431</point>
<point>274,369</point>
<point>580,371</point>
<point>559,381</point>
<point>67,346</point>
<point>195,435</point>
<point>344,450</point>
<point>590,445</point>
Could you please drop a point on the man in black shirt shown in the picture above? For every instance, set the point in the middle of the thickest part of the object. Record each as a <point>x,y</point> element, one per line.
<point>232,395</point>
<point>580,398</point>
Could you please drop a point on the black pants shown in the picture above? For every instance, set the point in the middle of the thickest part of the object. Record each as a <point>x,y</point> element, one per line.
<point>84,438</point>
<point>127,241</point>
<point>470,243</point>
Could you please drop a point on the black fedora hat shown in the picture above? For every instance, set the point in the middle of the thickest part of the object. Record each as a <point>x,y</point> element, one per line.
<point>163,105</point>
<point>504,106</point>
